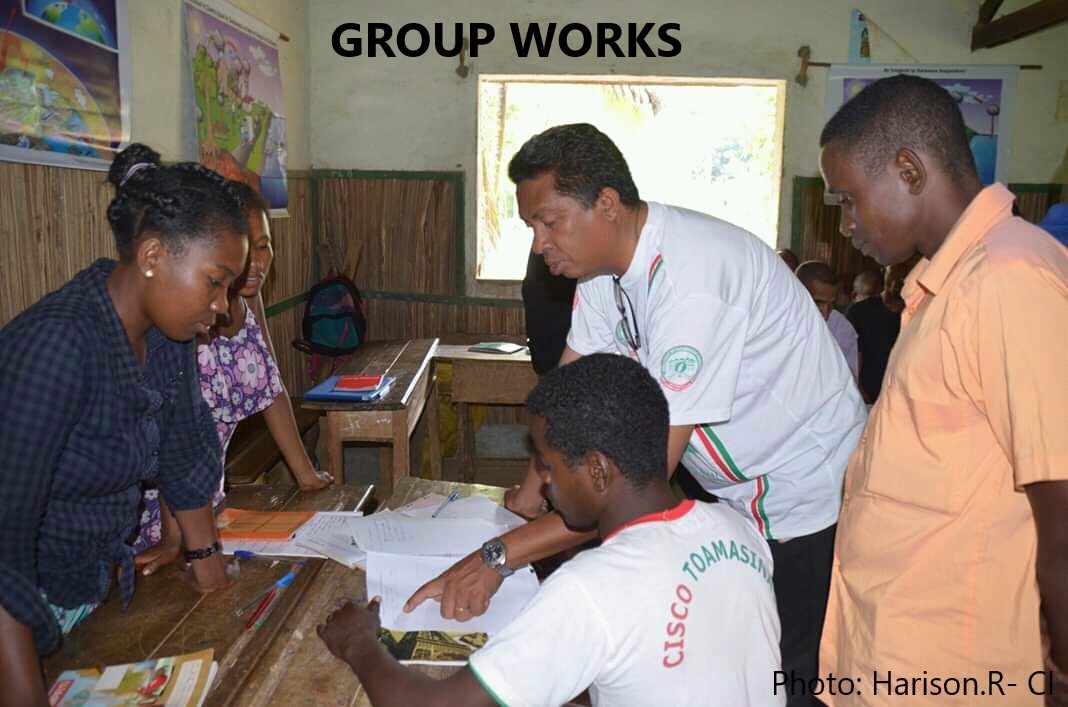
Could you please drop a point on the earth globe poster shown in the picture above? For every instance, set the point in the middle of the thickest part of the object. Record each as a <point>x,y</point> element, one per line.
<point>237,92</point>
<point>64,81</point>
<point>985,95</point>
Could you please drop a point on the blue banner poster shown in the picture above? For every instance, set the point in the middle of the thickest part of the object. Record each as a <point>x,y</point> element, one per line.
<point>237,90</point>
<point>64,81</point>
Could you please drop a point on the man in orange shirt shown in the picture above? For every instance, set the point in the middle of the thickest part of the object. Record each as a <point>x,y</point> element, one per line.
<point>953,536</point>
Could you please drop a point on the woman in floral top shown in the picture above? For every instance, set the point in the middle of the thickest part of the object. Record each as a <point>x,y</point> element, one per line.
<point>238,378</point>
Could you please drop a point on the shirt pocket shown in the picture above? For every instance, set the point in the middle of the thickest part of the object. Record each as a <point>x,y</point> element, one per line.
<point>925,443</point>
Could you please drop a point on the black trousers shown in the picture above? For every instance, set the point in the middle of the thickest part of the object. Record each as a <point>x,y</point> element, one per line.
<point>802,581</point>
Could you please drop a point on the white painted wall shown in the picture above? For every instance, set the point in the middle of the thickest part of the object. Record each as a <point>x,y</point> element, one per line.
<point>417,114</point>
<point>159,113</point>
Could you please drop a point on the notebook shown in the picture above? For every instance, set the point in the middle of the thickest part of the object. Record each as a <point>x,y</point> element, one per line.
<point>496,347</point>
<point>328,391</point>
<point>235,524</point>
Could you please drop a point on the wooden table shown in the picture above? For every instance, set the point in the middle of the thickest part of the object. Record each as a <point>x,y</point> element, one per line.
<point>284,663</point>
<point>483,379</point>
<point>297,669</point>
<point>390,420</point>
<point>167,617</point>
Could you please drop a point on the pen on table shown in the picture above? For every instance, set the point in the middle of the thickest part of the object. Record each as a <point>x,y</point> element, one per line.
<point>282,582</point>
<point>452,497</point>
<point>249,554</point>
<point>363,499</point>
<point>264,603</point>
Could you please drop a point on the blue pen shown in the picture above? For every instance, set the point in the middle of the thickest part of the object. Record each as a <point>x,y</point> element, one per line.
<point>452,497</point>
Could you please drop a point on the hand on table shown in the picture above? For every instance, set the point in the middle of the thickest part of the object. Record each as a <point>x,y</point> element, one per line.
<point>464,590</point>
<point>349,628</point>
<point>319,480</point>
<point>211,574</point>
<point>159,555</point>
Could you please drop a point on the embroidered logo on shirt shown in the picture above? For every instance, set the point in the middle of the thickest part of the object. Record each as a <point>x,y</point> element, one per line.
<point>679,367</point>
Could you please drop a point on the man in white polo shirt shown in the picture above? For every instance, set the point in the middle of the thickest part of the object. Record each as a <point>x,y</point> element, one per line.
<point>764,410</point>
<point>675,607</point>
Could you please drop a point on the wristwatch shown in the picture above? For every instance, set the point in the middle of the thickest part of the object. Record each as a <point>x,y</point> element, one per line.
<point>204,552</point>
<point>494,554</point>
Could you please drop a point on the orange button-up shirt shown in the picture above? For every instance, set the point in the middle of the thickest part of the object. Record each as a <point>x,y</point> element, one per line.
<point>934,566</point>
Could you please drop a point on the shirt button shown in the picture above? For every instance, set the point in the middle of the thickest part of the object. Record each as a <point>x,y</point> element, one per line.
<point>155,452</point>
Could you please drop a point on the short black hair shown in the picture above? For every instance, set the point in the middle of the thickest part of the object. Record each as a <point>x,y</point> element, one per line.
<point>815,271</point>
<point>181,202</point>
<point>582,159</point>
<point>250,197</point>
<point>903,111</point>
<point>608,403</point>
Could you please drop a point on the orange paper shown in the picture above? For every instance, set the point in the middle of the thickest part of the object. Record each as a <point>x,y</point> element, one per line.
<point>235,524</point>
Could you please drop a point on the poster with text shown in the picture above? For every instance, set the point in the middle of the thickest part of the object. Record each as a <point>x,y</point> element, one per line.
<point>64,81</point>
<point>986,96</point>
<point>237,89</point>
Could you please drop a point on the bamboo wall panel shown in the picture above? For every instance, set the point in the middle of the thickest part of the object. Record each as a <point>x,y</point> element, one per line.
<point>53,224</point>
<point>392,319</point>
<point>399,232</point>
<point>292,272</point>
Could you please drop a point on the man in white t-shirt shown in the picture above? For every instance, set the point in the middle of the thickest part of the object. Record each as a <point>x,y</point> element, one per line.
<point>764,411</point>
<point>675,607</point>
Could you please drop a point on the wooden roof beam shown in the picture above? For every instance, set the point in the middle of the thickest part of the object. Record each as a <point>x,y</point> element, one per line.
<point>1027,20</point>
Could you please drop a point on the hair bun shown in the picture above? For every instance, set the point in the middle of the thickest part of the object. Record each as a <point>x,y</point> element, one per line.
<point>131,160</point>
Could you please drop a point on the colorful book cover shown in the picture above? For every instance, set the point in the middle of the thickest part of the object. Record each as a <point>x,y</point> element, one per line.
<point>180,681</point>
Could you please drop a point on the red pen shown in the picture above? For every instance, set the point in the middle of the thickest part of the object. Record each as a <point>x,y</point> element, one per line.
<point>260,609</point>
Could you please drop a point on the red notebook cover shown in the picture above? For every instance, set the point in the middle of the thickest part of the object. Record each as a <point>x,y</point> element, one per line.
<point>358,383</point>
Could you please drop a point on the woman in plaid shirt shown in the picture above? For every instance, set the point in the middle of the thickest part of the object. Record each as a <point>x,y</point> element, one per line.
<point>99,393</point>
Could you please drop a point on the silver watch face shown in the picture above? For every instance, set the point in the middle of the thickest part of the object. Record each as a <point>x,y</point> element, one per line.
<point>493,553</point>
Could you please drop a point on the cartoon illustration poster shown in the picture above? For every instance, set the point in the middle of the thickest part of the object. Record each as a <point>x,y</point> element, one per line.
<point>237,88</point>
<point>986,96</point>
<point>64,81</point>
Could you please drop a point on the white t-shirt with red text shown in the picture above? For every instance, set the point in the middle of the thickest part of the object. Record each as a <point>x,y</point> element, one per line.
<point>674,608</point>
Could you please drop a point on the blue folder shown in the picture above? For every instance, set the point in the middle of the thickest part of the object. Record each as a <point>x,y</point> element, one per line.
<point>324,392</point>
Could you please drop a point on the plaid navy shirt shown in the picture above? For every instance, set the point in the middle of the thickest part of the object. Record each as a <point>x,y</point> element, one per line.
<point>82,424</point>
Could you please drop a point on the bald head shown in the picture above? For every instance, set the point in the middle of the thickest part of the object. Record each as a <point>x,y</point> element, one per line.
<point>867,284</point>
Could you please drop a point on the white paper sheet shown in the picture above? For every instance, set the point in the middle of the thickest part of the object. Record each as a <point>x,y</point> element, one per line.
<point>471,507</point>
<point>399,534</point>
<point>395,578</point>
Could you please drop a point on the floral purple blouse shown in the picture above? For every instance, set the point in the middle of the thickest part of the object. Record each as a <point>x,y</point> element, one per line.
<point>238,378</point>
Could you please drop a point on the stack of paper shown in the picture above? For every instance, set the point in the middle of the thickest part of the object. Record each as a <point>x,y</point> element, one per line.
<point>182,681</point>
<point>395,578</point>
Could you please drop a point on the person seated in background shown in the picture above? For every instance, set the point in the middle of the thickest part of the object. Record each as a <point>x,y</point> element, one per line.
<point>789,257</point>
<point>819,280</point>
<point>675,607</point>
<point>876,328</point>
<point>893,281</point>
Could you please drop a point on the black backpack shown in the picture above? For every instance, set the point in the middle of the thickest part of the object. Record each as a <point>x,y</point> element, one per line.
<point>334,322</point>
